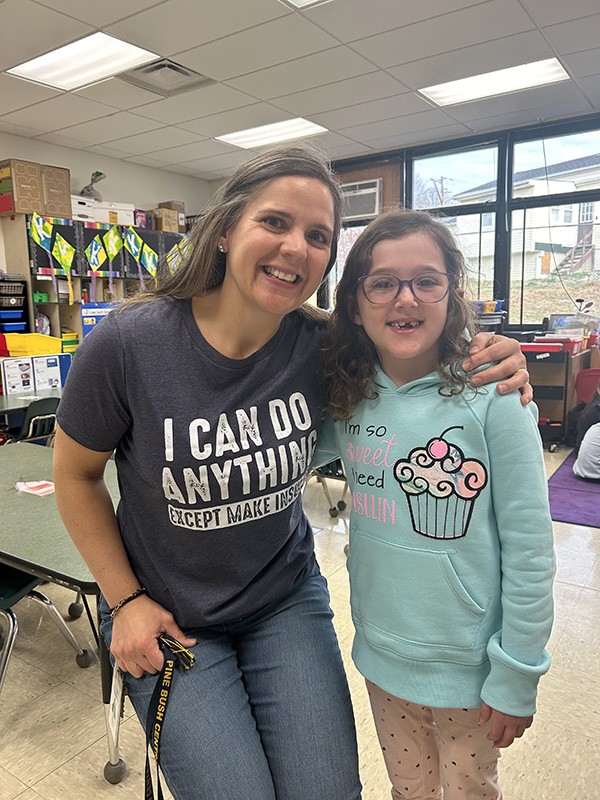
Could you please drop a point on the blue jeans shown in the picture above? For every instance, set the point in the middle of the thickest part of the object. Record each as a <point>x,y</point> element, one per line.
<point>265,712</point>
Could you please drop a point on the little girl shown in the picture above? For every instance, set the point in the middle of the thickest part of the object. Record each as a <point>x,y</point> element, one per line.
<point>451,555</point>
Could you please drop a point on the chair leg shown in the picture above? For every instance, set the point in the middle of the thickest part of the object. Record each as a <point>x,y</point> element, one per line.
<point>84,658</point>
<point>9,640</point>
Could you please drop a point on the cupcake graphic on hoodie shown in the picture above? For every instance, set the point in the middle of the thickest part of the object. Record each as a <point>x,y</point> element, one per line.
<point>441,487</point>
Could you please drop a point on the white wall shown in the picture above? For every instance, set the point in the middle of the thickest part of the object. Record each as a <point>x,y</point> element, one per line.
<point>124,183</point>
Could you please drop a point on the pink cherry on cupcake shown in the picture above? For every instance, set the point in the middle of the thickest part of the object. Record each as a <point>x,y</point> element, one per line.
<point>437,448</point>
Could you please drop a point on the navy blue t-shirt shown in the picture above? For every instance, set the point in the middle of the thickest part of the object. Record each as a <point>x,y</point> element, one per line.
<point>211,452</point>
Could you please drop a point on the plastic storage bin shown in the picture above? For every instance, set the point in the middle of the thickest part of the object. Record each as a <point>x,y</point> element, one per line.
<point>5,327</point>
<point>32,344</point>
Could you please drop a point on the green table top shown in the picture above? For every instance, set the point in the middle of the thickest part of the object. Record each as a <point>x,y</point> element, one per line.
<point>32,535</point>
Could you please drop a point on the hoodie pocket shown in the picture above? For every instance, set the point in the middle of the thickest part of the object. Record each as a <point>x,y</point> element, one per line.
<point>412,601</point>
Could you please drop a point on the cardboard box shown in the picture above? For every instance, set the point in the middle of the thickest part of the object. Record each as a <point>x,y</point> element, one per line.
<point>114,213</point>
<point>56,191</point>
<point>83,208</point>
<point>174,205</point>
<point>21,187</point>
<point>182,222</point>
<point>165,219</point>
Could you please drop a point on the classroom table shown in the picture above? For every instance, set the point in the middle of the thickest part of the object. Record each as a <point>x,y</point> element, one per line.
<point>15,403</point>
<point>34,539</point>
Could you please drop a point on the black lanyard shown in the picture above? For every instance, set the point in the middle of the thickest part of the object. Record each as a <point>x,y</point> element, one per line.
<point>175,656</point>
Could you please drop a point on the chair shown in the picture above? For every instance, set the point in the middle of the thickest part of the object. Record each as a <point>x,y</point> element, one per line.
<point>39,422</point>
<point>586,381</point>
<point>14,586</point>
<point>334,470</point>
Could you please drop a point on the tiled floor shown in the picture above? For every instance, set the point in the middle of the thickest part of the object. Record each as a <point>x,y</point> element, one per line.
<point>52,735</point>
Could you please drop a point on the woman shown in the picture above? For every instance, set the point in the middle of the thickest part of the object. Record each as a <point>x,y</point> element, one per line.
<point>209,391</point>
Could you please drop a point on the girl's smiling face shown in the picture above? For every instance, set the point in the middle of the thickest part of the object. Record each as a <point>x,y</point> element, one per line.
<point>279,249</point>
<point>405,332</point>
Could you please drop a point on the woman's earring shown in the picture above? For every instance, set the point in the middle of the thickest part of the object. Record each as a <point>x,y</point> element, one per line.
<point>221,249</point>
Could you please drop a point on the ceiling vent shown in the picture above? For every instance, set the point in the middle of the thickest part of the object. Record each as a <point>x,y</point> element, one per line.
<point>166,78</point>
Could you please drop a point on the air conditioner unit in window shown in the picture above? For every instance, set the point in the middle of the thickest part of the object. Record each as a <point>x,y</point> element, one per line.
<point>362,200</point>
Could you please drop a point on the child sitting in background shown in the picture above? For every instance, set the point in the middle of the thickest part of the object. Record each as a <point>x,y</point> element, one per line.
<point>451,549</point>
<point>587,465</point>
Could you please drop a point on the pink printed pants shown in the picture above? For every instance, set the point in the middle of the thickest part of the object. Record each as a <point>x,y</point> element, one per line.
<point>434,753</point>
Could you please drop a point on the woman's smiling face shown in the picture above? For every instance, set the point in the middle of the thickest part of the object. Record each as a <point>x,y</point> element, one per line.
<point>279,249</point>
<point>405,332</point>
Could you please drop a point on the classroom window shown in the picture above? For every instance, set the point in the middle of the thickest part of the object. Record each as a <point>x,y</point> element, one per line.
<point>557,164</point>
<point>455,178</point>
<point>552,264</point>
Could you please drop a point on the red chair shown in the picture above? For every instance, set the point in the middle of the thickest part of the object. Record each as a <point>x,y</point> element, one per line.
<point>585,382</point>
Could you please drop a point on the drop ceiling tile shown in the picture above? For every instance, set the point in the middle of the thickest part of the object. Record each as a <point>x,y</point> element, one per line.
<point>399,125</point>
<point>160,139</point>
<point>574,36</point>
<point>63,141</point>
<point>591,88</point>
<point>17,93</point>
<point>313,70</point>
<point>373,86</point>
<point>181,25</point>
<point>348,21</point>
<point>100,14</point>
<point>530,116</point>
<point>191,152</point>
<point>237,119</point>
<point>273,43</point>
<point>198,103</point>
<point>118,94</point>
<point>59,112</point>
<point>414,138</point>
<point>529,99</point>
<point>30,30</point>
<point>473,60</point>
<point>185,169</point>
<point>226,161</point>
<point>145,161</point>
<point>117,125</point>
<point>481,23</point>
<point>349,150</point>
<point>581,65</point>
<point>104,150</point>
<point>20,130</point>
<point>550,12</point>
<point>387,108</point>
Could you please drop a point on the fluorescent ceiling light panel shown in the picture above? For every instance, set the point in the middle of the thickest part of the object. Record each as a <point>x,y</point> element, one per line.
<point>501,81</point>
<point>303,3</point>
<point>269,134</point>
<point>83,62</point>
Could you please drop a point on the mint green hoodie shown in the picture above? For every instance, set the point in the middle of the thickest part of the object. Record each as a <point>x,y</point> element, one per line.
<point>451,556</point>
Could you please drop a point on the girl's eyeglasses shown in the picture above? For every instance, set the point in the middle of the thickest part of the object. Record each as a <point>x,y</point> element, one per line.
<point>430,287</point>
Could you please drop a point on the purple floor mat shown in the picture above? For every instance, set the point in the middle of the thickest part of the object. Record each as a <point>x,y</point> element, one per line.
<point>573,499</point>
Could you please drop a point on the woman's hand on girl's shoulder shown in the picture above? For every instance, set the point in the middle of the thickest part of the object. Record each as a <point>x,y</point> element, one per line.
<point>511,368</point>
<point>505,728</point>
<point>136,629</point>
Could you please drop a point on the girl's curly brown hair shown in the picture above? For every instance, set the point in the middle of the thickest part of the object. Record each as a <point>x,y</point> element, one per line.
<point>349,355</point>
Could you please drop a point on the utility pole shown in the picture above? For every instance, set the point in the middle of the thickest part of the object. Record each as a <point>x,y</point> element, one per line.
<point>440,192</point>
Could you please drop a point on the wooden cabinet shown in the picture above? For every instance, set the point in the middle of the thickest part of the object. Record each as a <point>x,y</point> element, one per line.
<point>552,375</point>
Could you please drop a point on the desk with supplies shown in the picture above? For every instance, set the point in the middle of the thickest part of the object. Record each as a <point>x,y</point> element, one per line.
<point>34,540</point>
